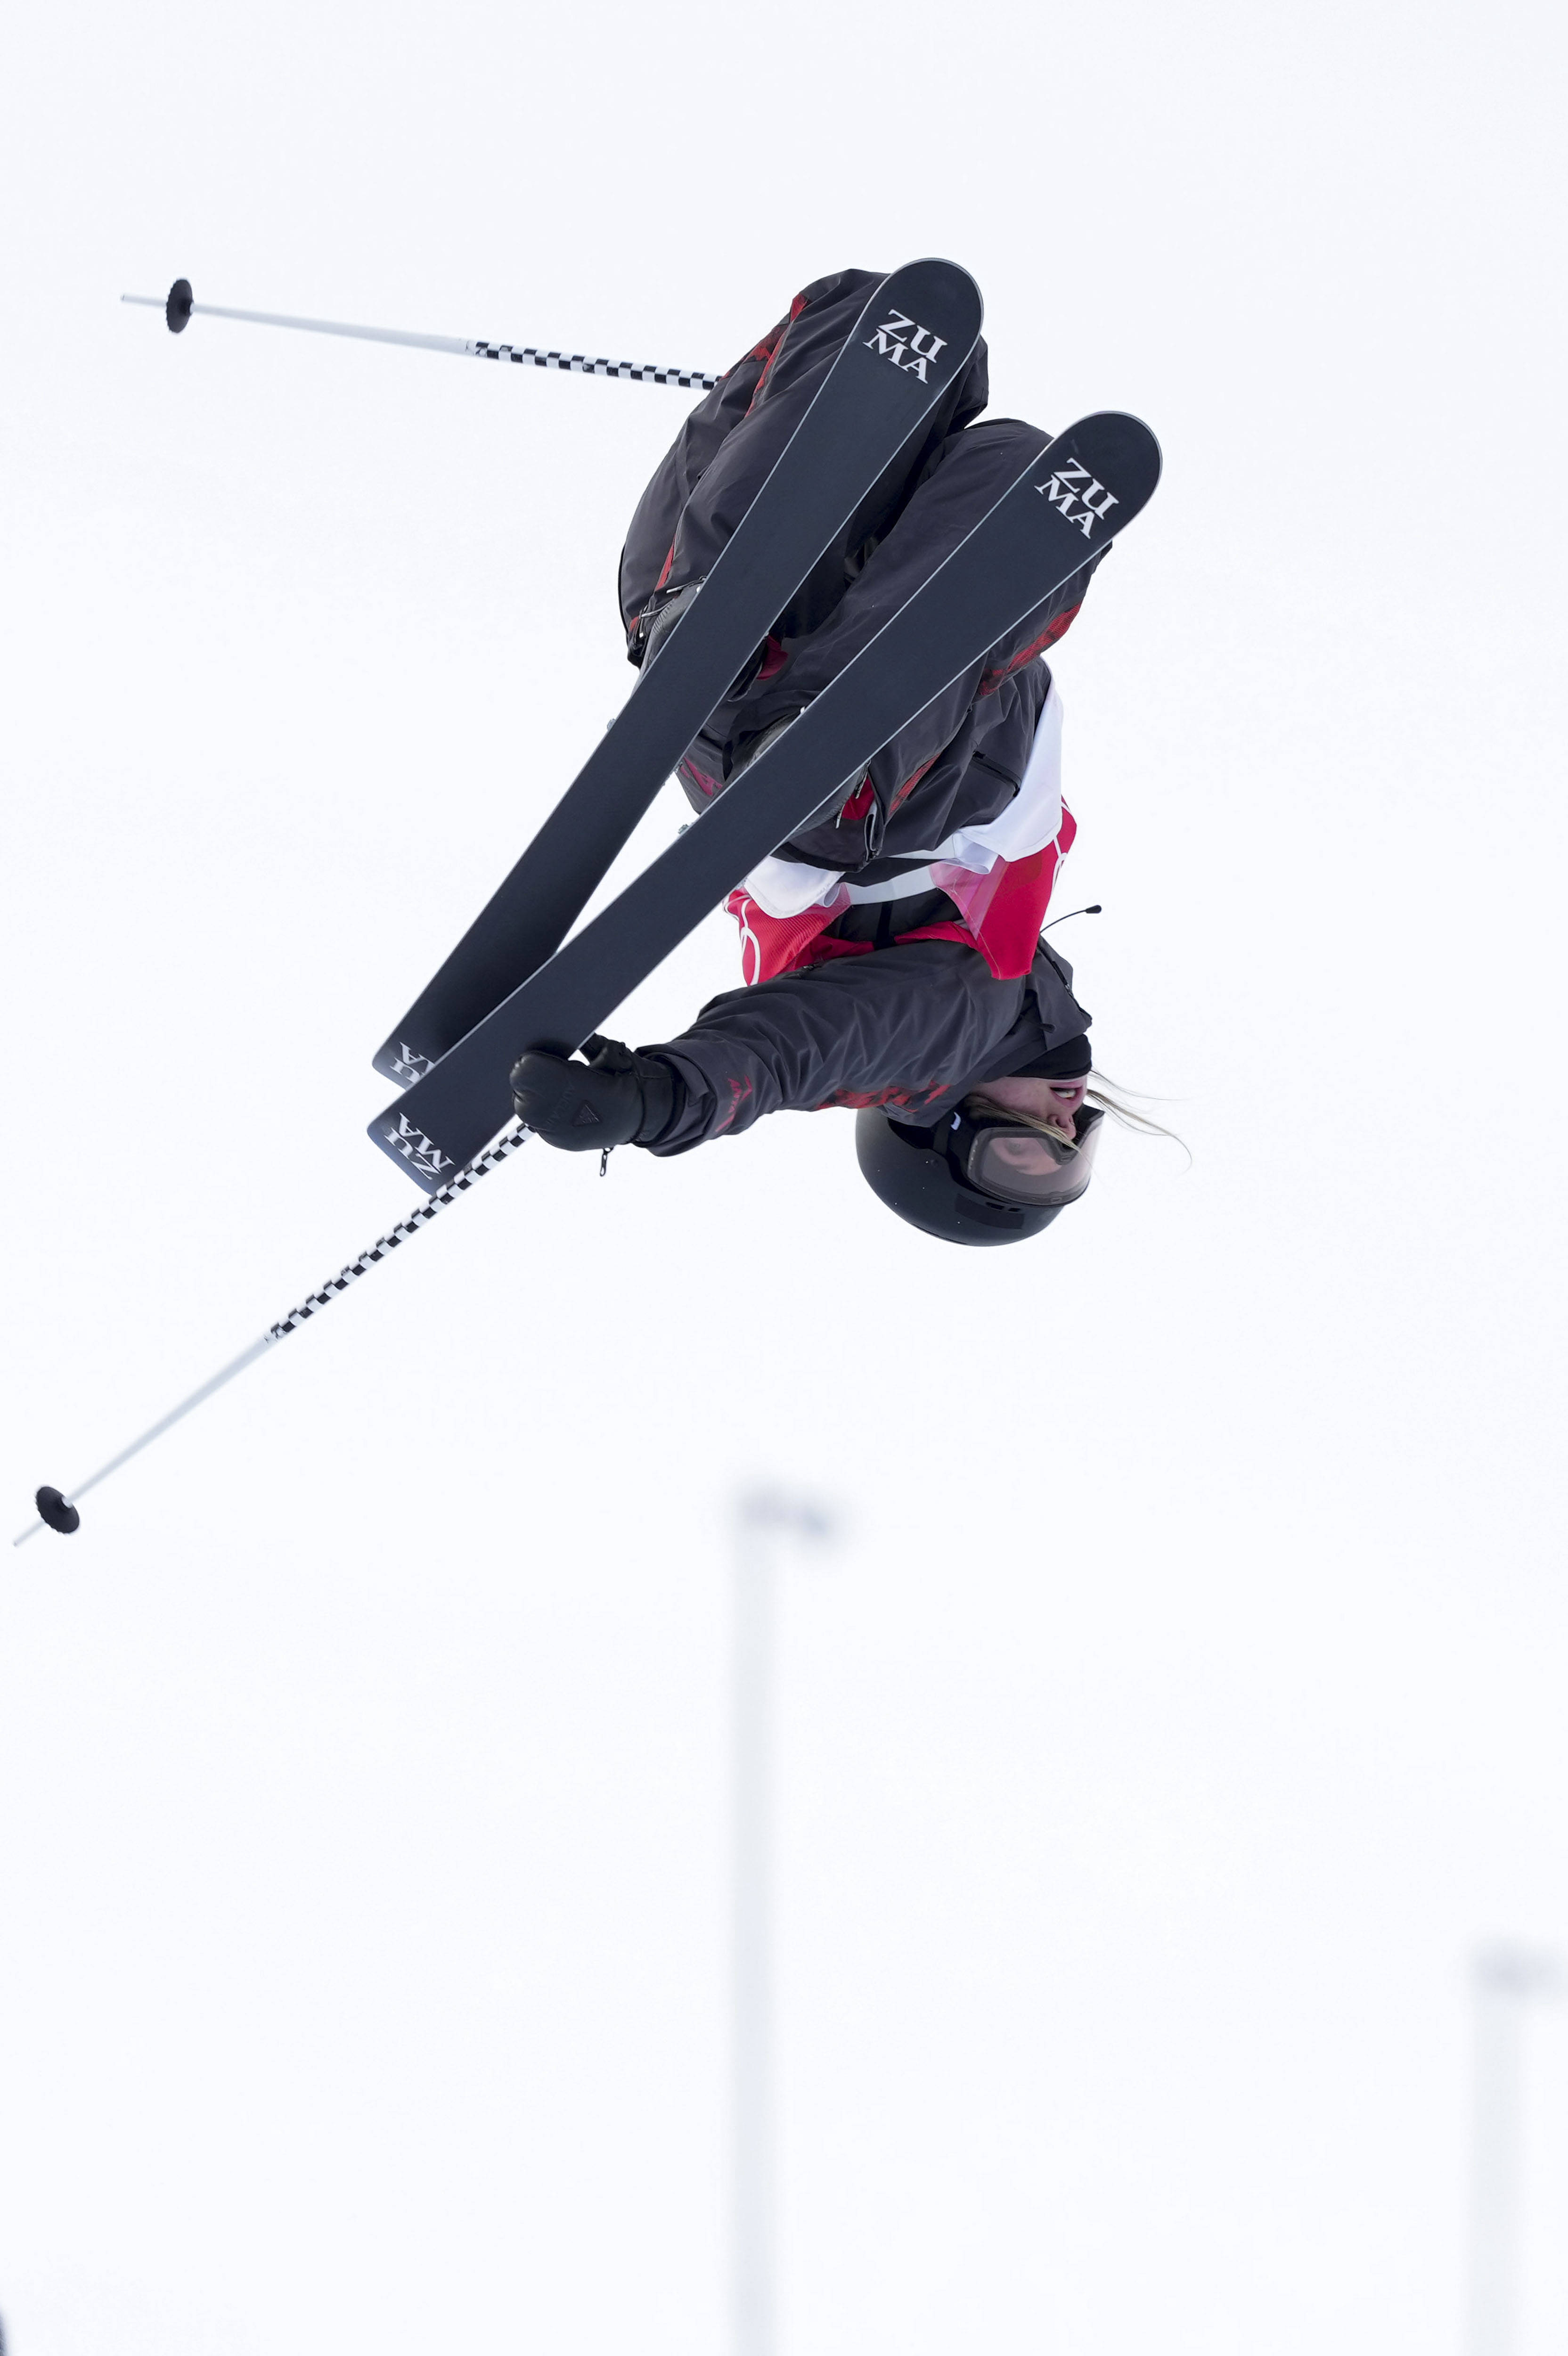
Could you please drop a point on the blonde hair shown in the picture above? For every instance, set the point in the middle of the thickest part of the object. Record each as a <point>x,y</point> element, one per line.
<point>1122,1106</point>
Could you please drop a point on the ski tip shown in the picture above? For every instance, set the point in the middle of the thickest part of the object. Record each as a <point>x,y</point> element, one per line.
<point>54,1510</point>
<point>417,1156</point>
<point>396,1060</point>
<point>951,270</point>
<point>1120,449</point>
<point>941,291</point>
<point>177,311</point>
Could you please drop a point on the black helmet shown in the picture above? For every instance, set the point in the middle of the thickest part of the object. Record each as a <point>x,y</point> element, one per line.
<point>961,1181</point>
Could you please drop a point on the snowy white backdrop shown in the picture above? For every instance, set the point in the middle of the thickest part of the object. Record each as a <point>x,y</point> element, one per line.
<point>1187,1698</point>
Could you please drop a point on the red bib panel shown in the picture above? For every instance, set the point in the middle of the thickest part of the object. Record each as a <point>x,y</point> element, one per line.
<point>1001,915</point>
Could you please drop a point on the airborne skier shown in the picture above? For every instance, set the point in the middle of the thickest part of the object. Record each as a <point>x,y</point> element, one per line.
<point>894,872</point>
<point>890,949</point>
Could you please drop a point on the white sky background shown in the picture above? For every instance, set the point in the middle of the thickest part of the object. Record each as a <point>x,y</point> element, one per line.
<point>1187,1698</point>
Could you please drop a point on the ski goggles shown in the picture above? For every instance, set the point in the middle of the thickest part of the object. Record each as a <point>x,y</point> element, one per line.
<point>1014,1161</point>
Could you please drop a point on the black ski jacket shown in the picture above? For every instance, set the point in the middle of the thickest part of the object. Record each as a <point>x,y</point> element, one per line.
<point>959,762</point>
<point>910,1026</point>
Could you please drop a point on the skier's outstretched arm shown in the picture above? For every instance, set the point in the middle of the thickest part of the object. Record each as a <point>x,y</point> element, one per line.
<point>910,1026</point>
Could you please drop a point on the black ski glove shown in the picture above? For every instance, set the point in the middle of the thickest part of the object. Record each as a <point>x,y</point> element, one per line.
<point>616,1097</point>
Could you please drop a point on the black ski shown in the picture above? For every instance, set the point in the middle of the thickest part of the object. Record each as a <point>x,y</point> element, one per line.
<point>915,335</point>
<point>1078,489</point>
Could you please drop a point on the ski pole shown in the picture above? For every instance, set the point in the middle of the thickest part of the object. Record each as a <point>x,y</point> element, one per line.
<point>57,1511</point>
<point>179,307</point>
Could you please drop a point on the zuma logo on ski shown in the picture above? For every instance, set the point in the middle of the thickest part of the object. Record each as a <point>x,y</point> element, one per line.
<point>415,1147</point>
<point>409,1059</point>
<point>909,347</point>
<point>1081,500</point>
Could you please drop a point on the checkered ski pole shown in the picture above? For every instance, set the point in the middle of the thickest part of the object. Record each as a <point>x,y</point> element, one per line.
<point>177,307</point>
<point>57,1511</point>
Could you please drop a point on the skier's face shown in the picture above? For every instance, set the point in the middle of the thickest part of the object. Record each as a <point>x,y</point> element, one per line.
<point>1035,1148</point>
<point>1056,1103</point>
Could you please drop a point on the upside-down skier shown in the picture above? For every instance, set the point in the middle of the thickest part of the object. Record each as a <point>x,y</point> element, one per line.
<point>892,950</point>
<point>894,872</point>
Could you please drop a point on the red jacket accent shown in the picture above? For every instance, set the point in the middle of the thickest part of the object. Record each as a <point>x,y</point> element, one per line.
<point>1001,915</point>
<point>992,679</point>
<point>767,351</point>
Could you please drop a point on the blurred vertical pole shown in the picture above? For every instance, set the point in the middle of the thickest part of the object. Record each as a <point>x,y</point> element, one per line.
<point>1503,1980</point>
<point>761,1518</point>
